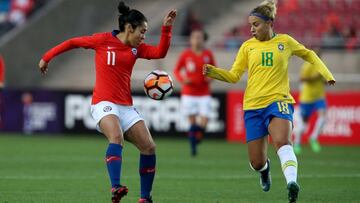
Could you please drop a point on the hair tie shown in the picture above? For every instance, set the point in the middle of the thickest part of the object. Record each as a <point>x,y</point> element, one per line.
<point>260,16</point>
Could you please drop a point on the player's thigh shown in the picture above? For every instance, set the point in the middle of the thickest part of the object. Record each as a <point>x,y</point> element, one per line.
<point>107,120</point>
<point>192,119</point>
<point>203,121</point>
<point>110,126</point>
<point>280,130</point>
<point>139,135</point>
<point>257,152</point>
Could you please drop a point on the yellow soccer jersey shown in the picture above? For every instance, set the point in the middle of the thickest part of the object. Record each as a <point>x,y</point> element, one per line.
<point>313,86</point>
<point>267,66</point>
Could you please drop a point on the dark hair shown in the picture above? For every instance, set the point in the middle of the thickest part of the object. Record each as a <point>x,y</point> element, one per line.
<point>205,34</point>
<point>131,16</point>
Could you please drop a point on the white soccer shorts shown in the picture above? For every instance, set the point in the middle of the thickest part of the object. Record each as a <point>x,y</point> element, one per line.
<point>127,115</point>
<point>196,105</point>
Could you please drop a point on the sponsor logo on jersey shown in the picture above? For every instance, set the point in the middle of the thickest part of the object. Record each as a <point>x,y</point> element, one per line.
<point>107,108</point>
<point>134,51</point>
<point>281,47</point>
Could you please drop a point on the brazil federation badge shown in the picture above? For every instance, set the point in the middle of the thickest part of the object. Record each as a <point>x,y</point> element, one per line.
<point>281,47</point>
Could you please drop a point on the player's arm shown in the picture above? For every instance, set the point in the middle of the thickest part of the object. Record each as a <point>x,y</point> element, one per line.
<point>77,42</point>
<point>319,65</point>
<point>180,64</point>
<point>311,78</point>
<point>160,51</point>
<point>311,57</point>
<point>212,62</point>
<point>231,76</point>
<point>307,75</point>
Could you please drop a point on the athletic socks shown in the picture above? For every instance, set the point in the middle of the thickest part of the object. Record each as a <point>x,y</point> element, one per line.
<point>192,139</point>
<point>113,162</point>
<point>299,130</point>
<point>147,174</point>
<point>318,128</point>
<point>288,163</point>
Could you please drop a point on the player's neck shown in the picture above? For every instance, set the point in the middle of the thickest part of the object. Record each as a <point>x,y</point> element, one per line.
<point>123,37</point>
<point>197,50</point>
<point>271,35</point>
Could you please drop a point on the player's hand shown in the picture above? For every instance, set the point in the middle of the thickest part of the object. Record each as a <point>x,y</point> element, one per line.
<point>331,82</point>
<point>43,66</point>
<point>187,81</point>
<point>206,69</point>
<point>170,18</point>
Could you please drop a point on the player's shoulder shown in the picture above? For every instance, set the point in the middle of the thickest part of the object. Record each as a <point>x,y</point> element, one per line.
<point>186,52</point>
<point>208,51</point>
<point>102,35</point>
<point>285,37</point>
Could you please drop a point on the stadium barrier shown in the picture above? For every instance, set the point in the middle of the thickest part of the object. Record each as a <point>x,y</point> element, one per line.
<point>45,111</point>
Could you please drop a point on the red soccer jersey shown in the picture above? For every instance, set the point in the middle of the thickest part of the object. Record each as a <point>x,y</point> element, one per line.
<point>190,66</point>
<point>114,62</point>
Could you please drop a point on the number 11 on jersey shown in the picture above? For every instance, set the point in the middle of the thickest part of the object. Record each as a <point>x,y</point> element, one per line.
<point>111,58</point>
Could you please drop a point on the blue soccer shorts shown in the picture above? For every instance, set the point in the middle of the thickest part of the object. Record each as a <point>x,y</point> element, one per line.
<point>257,121</point>
<point>307,109</point>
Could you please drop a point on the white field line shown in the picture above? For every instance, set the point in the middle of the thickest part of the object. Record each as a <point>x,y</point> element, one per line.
<point>180,177</point>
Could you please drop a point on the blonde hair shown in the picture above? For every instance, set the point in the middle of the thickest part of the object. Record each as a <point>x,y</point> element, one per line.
<point>267,8</point>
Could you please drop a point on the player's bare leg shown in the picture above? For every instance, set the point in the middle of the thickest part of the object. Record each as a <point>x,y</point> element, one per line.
<point>257,152</point>
<point>280,130</point>
<point>319,125</point>
<point>203,121</point>
<point>298,132</point>
<point>110,126</point>
<point>140,136</point>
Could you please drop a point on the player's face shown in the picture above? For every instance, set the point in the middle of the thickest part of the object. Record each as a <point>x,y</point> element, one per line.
<point>197,39</point>
<point>137,35</point>
<point>260,29</point>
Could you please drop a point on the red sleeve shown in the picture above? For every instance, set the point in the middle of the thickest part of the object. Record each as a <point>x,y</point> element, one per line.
<point>2,69</point>
<point>179,65</point>
<point>155,52</point>
<point>87,42</point>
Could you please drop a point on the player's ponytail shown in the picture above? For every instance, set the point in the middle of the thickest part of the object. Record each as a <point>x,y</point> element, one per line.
<point>266,10</point>
<point>131,16</point>
<point>123,9</point>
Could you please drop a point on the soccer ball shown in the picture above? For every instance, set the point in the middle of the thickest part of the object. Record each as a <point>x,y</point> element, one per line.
<point>158,85</point>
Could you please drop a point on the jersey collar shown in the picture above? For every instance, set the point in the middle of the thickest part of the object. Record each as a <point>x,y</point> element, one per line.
<point>115,32</point>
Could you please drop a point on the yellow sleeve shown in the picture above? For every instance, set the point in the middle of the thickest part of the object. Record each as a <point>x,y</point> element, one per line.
<point>311,57</point>
<point>235,73</point>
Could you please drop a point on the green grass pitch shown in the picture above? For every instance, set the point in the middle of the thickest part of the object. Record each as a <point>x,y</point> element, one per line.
<point>65,169</point>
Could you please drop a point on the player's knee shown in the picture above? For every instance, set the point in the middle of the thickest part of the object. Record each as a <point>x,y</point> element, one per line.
<point>115,137</point>
<point>148,149</point>
<point>279,144</point>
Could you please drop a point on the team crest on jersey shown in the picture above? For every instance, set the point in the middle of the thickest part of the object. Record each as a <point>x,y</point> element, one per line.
<point>134,51</point>
<point>281,47</point>
<point>206,59</point>
<point>107,108</point>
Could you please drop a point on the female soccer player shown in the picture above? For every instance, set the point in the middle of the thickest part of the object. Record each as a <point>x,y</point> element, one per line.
<point>268,104</point>
<point>195,94</point>
<point>112,107</point>
<point>312,100</point>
